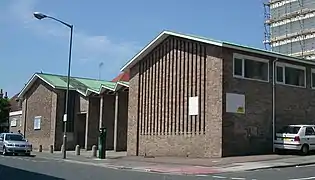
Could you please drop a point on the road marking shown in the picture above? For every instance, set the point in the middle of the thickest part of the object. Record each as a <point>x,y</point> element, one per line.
<point>307,178</point>
<point>202,175</point>
<point>219,177</point>
<point>236,178</point>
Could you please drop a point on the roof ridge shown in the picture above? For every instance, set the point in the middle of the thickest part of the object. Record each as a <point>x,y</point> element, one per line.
<point>38,73</point>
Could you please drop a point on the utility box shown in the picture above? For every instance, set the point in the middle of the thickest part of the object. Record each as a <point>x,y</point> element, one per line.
<point>102,143</point>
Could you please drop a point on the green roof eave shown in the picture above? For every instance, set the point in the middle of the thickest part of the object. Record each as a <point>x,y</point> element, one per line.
<point>84,86</point>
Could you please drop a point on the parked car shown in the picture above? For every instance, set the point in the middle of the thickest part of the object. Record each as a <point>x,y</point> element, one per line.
<point>296,137</point>
<point>14,143</point>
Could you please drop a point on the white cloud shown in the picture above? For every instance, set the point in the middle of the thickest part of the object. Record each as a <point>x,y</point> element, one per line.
<point>86,47</point>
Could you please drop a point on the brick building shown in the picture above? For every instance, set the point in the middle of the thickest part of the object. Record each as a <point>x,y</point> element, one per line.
<point>192,96</point>
<point>92,104</point>
<point>15,120</point>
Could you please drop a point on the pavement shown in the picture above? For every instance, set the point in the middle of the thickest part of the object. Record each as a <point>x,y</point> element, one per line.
<point>184,166</point>
<point>38,168</point>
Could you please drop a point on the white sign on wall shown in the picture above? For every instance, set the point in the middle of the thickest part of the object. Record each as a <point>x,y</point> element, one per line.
<point>13,123</point>
<point>235,103</point>
<point>193,105</point>
<point>37,120</point>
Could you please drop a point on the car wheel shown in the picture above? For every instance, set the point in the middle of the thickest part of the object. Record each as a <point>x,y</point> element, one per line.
<point>305,149</point>
<point>27,154</point>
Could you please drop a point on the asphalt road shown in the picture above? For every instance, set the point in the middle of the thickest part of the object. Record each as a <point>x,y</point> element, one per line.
<point>293,173</point>
<point>16,168</point>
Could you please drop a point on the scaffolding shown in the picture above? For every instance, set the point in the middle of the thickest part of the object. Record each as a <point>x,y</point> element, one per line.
<point>290,27</point>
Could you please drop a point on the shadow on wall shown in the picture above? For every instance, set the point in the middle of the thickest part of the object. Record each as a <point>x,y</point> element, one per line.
<point>16,174</point>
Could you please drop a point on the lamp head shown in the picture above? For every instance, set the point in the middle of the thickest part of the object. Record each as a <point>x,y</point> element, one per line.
<point>39,15</point>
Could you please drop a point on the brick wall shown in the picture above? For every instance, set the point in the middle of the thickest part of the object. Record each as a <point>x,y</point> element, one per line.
<point>39,102</point>
<point>160,87</point>
<point>251,133</point>
<point>132,131</point>
<point>18,119</point>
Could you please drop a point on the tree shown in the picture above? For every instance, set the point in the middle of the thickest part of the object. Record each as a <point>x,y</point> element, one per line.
<point>4,109</point>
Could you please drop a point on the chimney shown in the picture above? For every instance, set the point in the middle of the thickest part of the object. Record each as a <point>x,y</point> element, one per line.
<point>6,95</point>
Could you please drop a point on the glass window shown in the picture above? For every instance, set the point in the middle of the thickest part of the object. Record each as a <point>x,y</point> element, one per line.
<point>289,130</point>
<point>294,76</point>
<point>238,67</point>
<point>279,74</point>
<point>309,131</point>
<point>14,137</point>
<point>256,70</point>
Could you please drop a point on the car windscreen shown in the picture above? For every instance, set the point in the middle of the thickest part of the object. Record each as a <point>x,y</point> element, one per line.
<point>289,130</point>
<point>14,137</point>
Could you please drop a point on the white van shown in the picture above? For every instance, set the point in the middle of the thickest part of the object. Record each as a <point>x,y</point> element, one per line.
<point>296,137</point>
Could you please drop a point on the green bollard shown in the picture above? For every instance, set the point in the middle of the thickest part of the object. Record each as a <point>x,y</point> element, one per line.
<point>102,144</point>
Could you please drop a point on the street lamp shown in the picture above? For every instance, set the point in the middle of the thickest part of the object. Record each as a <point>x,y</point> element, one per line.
<point>42,16</point>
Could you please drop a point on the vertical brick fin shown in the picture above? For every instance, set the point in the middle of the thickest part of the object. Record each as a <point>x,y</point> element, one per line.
<point>173,84</point>
<point>176,90</point>
<point>189,64</point>
<point>183,119</point>
<point>167,67</point>
<point>192,83</point>
<point>158,98</point>
<point>154,91</point>
<point>164,87</point>
<point>145,119</point>
<point>170,87</point>
<point>180,86</point>
<point>141,97</point>
<point>160,89</point>
<point>150,96</point>
<point>186,86</point>
<point>204,88</point>
<point>195,85</point>
<point>199,51</point>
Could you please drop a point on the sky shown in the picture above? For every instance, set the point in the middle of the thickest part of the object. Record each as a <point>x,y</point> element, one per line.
<point>110,32</point>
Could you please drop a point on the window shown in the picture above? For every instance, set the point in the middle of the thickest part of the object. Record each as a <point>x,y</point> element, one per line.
<point>290,74</point>
<point>250,67</point>
<point>289,130</point>
<point>37,120</point>
<point>14,137</point>
<point>309,131</point>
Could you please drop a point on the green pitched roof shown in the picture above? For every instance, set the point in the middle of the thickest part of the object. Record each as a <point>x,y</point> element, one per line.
<point>82,85</point>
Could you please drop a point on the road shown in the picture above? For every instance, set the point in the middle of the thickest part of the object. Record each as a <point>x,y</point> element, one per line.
<point>15,168</point>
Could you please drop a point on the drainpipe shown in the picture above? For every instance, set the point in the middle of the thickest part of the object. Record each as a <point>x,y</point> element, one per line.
<point>273,103</point>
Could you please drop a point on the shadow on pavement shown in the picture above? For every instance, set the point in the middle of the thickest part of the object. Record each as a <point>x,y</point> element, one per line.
<point>11,173</point>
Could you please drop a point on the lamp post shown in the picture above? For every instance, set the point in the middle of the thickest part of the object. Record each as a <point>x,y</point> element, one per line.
<point>42,16</point>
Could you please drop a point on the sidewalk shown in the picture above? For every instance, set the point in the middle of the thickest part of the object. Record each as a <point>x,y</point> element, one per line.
<point>176,165</point>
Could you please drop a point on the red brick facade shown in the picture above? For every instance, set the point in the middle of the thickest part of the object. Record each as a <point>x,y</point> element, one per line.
<point>161,83</point>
